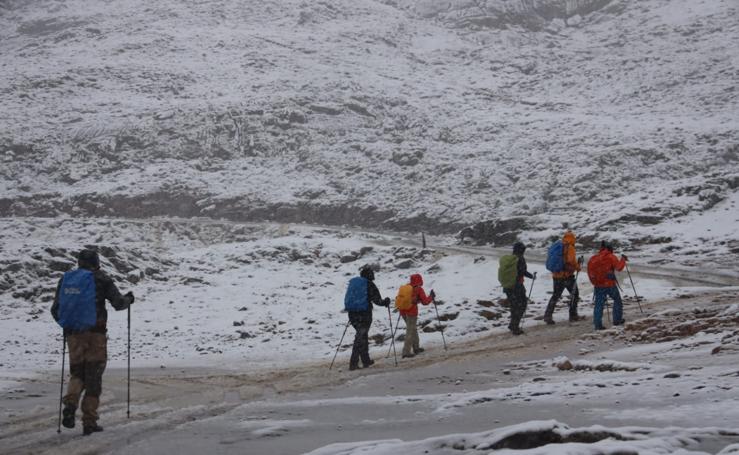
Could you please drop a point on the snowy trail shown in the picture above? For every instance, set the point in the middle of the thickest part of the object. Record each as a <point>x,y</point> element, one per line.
<point>300,407</point>
<point>291,397</point>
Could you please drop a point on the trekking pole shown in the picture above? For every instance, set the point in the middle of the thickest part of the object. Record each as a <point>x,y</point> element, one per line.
<point>531,289</point>
<point>574,286</point>
<point>572,295</point>
<point>339,346</point>
<point>397,326</point>
<point>128,393</point>
<point>441,329</point>
<point>61,385</point>
<point>636,296</point>
<point>392,338</point>
<point>618,285</point>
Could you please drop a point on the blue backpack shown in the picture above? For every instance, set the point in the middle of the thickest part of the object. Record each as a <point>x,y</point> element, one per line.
<point>555,257</point>
<point>356,295</point>
<point>77,307</point>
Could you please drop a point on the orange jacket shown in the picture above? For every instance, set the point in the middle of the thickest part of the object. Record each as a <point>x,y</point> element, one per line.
<point>570,257</point>
<point>419,296</point>
<point>602,267</point>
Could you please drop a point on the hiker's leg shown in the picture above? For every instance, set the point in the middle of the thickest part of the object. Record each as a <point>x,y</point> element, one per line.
<point>76,346</point>
<point>618,305</point>
<point>413,331</point>
<point>574,298</point>
<point>364,342</point>
<point>511,305</point>
<point>523,302</point>
<point>416,339</point>
<point>408,341</point>
<point>558,288</point>
<point>356,347</point>
<point>96,359</point>
<point>600,298</point>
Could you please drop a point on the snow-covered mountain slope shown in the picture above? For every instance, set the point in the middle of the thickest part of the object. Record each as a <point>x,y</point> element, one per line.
<point>410,114</point>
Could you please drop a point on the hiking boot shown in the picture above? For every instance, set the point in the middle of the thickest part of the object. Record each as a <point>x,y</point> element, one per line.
<point>517,332</point>
<point>353,367</point>
<point>621,322</point>
<point>87,430</point>
<point>407,355</point>
<point>600,327</point>
<point>68,416</point>
<point>576,318</point>
<point>549,321</point>
<point>369,364</point>
<point>418,351</point>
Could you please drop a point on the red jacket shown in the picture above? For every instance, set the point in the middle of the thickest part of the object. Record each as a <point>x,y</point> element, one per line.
<point>601,268</point>
<point>419,295</point>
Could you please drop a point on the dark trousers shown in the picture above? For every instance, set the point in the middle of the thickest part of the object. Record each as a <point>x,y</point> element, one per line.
<point>518,300</point>
<point>560,284</point>
<point>361,321</point>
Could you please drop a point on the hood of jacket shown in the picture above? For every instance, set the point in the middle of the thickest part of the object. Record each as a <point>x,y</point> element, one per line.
<point>416,280</point>
<point>569,238</point>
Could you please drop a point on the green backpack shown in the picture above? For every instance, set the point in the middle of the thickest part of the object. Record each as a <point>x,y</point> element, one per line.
<point>508,271</point>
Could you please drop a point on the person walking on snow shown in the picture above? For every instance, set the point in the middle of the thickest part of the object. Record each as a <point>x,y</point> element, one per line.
<point>565,279</point>
<point>86,341</point>
<point>602,270</point>
<point>361,294</point>
<point>517,294</point>
<point>414,294</point>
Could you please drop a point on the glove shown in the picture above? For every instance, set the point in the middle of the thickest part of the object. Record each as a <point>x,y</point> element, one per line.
<point>534,275</point>
<point>432,294</point>
<point>623,256</point>
<point>386,302</point>
<point>129,297</point>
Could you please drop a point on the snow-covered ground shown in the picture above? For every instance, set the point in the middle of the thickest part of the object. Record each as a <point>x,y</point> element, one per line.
<point>646,388</point>
<point>229,294</point>
<point>225,355</point>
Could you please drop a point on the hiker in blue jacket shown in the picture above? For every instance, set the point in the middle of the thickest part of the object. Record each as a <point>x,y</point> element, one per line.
<point>361,294</point>
<point>88,353</point>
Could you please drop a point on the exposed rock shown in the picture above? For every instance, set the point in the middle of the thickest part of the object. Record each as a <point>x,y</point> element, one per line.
<point>348,258</point>
<point>448,316</point>
<point>564,364</point>
<point>500,232</point>
<point>434,268</point>
<point>489,315</point>
<point>407,264</point>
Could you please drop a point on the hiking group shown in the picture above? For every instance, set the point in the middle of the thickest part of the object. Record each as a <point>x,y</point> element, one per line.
<point>362,294</point>
<point>562,262</point>
<point>565,266</point>
<point>79,308</point>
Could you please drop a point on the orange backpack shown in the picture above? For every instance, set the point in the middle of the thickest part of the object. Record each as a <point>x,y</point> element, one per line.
<point>404,299</point>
